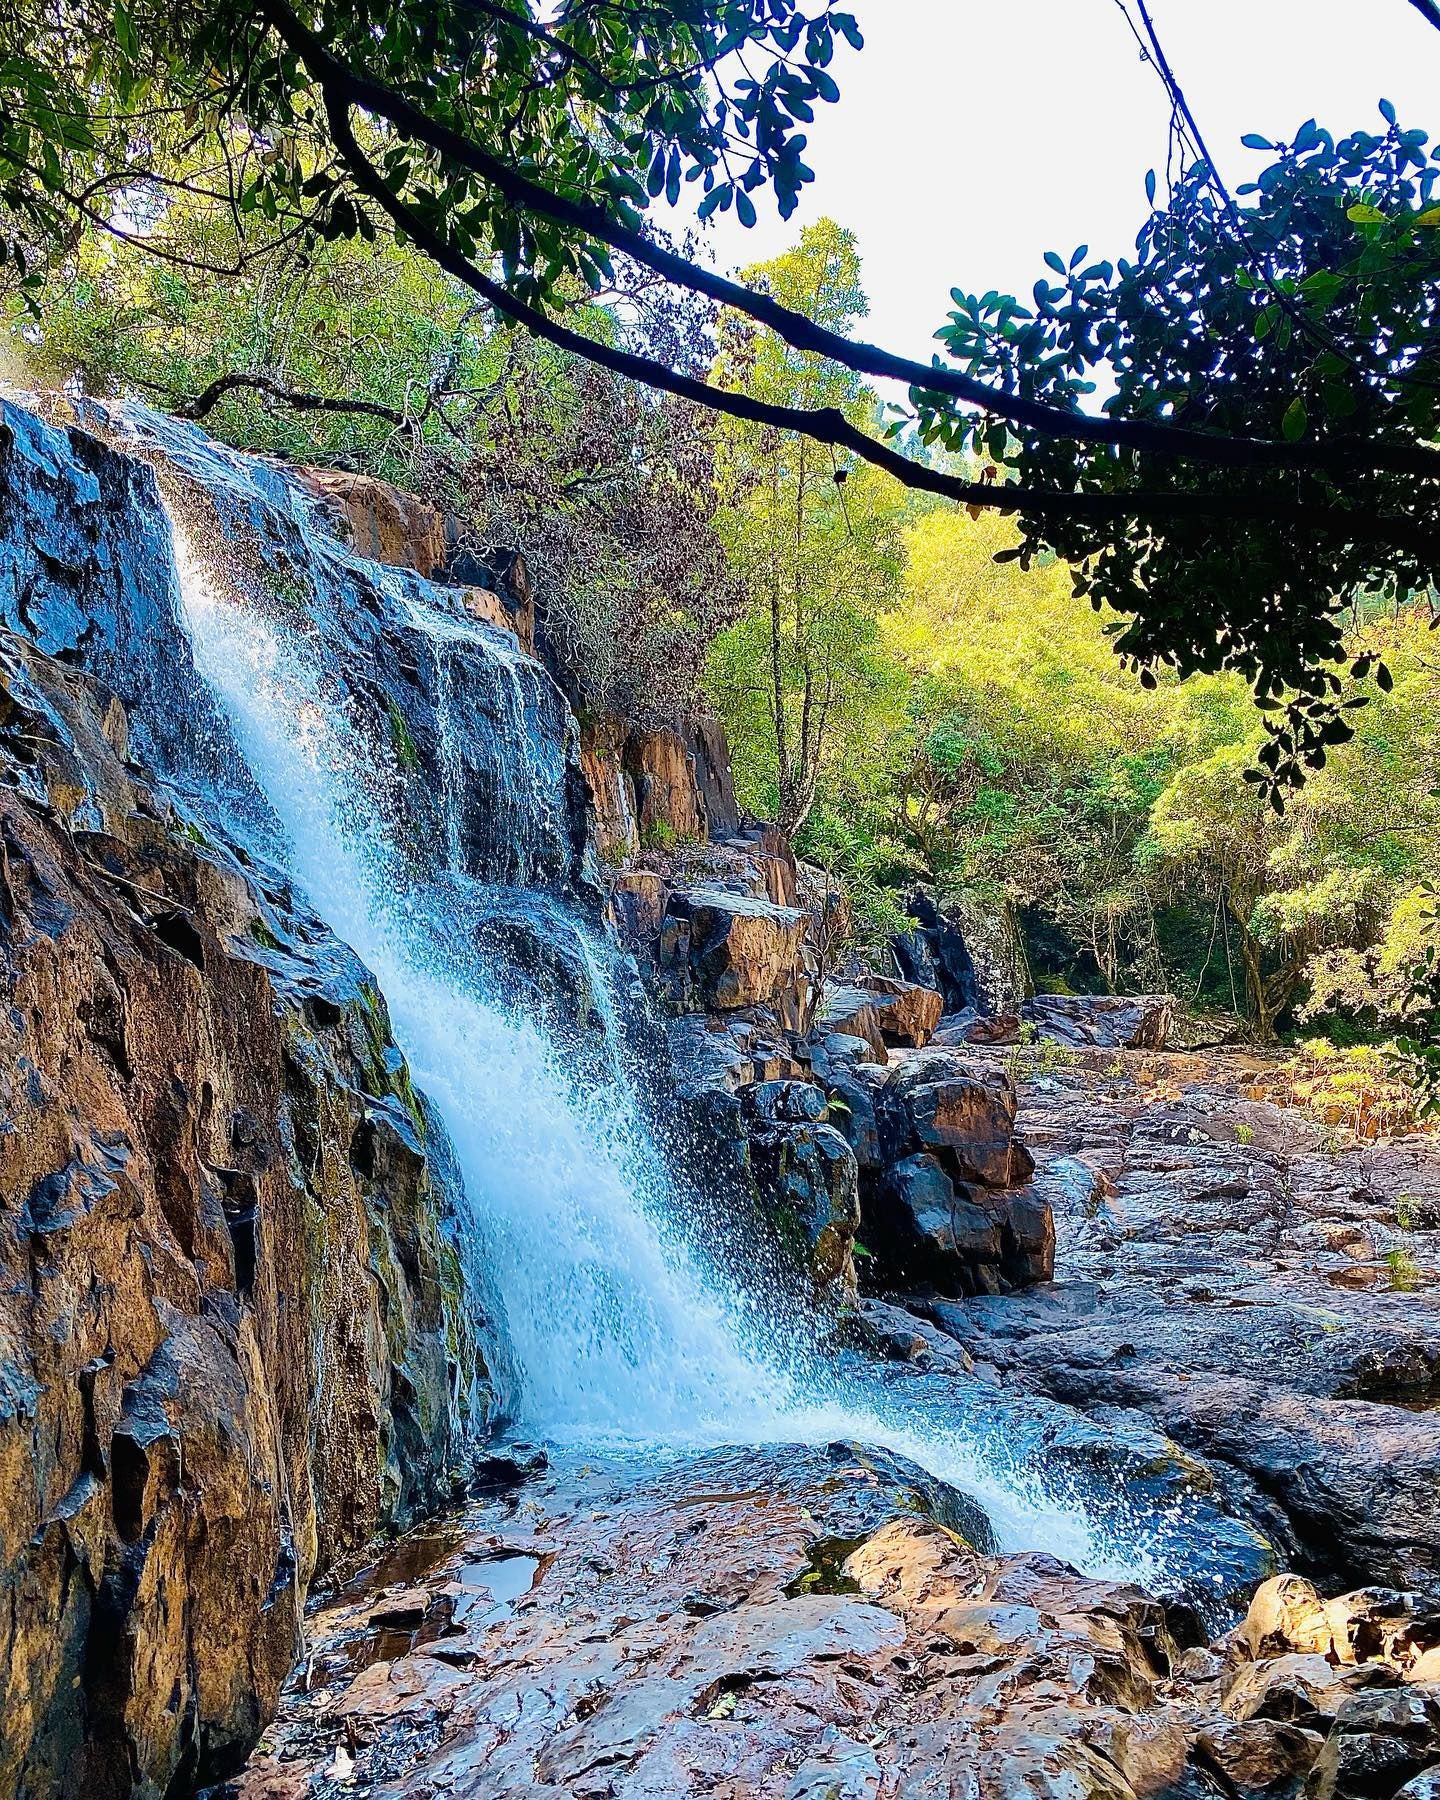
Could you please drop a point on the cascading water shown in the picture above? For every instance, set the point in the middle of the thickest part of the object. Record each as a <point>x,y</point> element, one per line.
<point>613,1329</point>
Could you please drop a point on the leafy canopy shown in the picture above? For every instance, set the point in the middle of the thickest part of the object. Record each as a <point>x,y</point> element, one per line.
<point>1310,315</point>
<point>1267,447</point>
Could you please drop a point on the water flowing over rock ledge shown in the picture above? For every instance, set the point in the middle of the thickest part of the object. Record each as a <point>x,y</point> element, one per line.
<point>234,1335</point>
<point>268,1282</point>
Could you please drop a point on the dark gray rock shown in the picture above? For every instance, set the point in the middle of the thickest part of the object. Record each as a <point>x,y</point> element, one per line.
<point>1108,1021</point>
<point>925,1233</point>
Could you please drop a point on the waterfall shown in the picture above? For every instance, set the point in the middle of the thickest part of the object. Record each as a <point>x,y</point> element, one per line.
<point>612,1329</point>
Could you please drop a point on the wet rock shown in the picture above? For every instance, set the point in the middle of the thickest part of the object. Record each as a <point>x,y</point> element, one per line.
<point>1424,1786</point>
<point>1259,1756</point>
<point>959,1110</point>
<point>1359,1480</point>
<point>1193,1237</point>
<point>855,1089</point>
<point>1306,1689</point>
<point>808,1183</point>
<point>786,1102</point>
<point>1379,1741</point>
<point>381,522</point>
<point>924,1232</point>
<point>901,1336</point>
<point>390,526</point>
<point>236,1342</point>
<point>497,1472</point>
<point>602,762</point>
<point>1286,1614</point>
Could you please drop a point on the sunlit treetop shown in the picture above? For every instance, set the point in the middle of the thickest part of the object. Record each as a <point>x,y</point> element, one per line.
<point>1228,436</point>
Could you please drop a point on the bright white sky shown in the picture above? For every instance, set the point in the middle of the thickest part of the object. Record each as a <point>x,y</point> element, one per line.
<point>973,135</point>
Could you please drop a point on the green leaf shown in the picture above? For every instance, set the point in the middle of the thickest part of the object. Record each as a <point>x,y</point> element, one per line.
<point>125,31</point>
<point>1296,419</point>
<point>1362,213</point>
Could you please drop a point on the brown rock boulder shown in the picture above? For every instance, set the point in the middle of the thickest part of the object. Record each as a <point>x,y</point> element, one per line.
<point>886,1013</point>
<point>908,1013</point>
<point>1259,1755</point>
<point>602,763</point>
<point>1304,1688</point>
<point>742,952</point>
<point>962,1110</point>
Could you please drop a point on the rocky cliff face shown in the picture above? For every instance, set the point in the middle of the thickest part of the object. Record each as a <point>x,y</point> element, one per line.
<point>809,1095</point>
<point>236,1334</point>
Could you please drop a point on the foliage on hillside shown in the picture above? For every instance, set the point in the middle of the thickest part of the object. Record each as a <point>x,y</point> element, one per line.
<point>914,708</point>
<point>611,490</point>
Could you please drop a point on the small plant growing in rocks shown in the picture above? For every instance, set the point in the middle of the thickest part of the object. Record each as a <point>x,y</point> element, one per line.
<point>1404,1271</point>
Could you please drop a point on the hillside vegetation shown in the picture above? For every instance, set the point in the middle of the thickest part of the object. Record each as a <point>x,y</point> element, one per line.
<point>909,700</point>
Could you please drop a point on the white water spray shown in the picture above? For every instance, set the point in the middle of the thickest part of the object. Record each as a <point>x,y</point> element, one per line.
<point>614,1334</point>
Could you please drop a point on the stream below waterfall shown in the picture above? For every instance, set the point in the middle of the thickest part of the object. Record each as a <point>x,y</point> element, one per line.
<point>611,1328</point>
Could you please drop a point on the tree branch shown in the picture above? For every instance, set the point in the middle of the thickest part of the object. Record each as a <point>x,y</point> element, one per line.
<point>1428,11</point>
<point>802,333</point>
<point>828,425</point>
<point>204,402</point>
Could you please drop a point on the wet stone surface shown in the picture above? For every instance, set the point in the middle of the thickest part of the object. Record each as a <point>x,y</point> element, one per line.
<point>1256,1285</point>
<point>791,1623</point>
<point>808,1623</point>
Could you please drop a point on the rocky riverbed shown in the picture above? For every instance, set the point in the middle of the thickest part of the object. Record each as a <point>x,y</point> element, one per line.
<point>814,1623</point>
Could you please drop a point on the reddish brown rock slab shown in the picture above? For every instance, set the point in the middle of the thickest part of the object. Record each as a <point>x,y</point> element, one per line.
<point>381,522</point>
<point>789,1624</point>
<point>602,763</point>
<point>743,952</point>
<point>783,1623</point>
<point>668,806</point>
<point>201,1331</point>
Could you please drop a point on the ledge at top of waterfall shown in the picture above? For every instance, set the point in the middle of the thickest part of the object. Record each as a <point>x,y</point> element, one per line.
<point>471,748</point>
